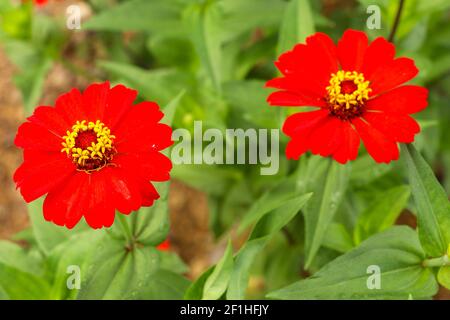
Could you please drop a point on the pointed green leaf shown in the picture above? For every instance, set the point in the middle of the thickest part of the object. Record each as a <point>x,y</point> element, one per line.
<point>202,21</point>
<point>217,282</point>
<point>320,210</point>
<point>164,285</point>
<point>47,234</point>
<point>396,254</point>
<point>139,15</point>
<point>433,206</point>
<point>298,23</point>
<point>195,290</point>
<point>261,234</point>
<point>242,264</point>
<point>118,272</point>
<point>382,213</point>
<point>444,276</point>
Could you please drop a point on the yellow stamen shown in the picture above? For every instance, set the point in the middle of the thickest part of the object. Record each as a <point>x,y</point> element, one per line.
<point>98,153</point>
<point>339,99</point>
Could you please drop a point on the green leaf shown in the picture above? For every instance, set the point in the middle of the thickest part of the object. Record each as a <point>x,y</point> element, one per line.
<point>3,294</point>
<point>75,252</point>
<point>202,21</point>
<point>195,290</point>
<point>33,67</point>
<point>433,206</point>
<point>269,201</point>
<point>160,85</point>
<point>164,285</point>
<point>297,24</point>
<point>214,180</point>
<point>382,213</point>
<point>117,272</point>
<point>337,238</point>
<point>398,255</point>
<point>139,15</point>
<point>217,282</point>
<point>276,220</point>
<point>246,99</point>
<point>171,261</point>
<point>328,193</point>
<point>170,109</point>
<point>19,285</point>
<point>365,170</point>
<point>14,256</point>
<point>261,234</point>
<point>241,17</point>
<point>47,234</point>
<point>444,276</point>
<point>243,261</point>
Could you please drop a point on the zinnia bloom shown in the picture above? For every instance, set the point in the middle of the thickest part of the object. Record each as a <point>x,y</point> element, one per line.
<point>92,154</point>
<point>164,246</point>
<point>359,92</point>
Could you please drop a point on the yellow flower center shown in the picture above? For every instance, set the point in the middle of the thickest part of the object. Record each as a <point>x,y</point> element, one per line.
<point>347,92</point>
<point>89,145</point>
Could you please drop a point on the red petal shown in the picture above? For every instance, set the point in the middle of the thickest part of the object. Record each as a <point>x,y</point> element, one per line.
<point>100,211</point>
<point>95,100</point>
<point>401,100</point>
<point>66,205</point>
<point>379,53</point>
<point>296,147</point>
<point>285,98</point>
<point>380,147</point>
<point>326,137</point>
<point>71,105</point>
<point>51,119</point>
<point>324,52</point>
<point>351,49</point>
<point>400,128</point>
<point>142,117</point>
<point>298,85</point>
<point>149,193</point>
<point>303,121</point>
<point>125,190</point>
<point>41,172</point>
<point>315,61</point>
<point>392,75</point>
<point>153,137</point>
<point>34,137</point>
<point>299,126</point>
<point>120,101</point>
<point>350,144</point>
<point>152,165</point>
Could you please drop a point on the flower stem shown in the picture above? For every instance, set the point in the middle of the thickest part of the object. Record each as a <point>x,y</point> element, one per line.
<point>396,21</point>
<point>437,262</point>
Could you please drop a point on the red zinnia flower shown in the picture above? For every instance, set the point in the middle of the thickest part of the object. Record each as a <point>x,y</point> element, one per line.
<point>356,86</point>
<point>93,153</point>
<point>164,246</point>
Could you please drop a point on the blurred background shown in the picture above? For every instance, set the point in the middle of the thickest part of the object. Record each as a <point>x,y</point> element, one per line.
<point>219,53</point>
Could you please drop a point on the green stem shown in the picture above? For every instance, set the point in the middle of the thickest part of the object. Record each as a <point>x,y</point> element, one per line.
<point>437,262</point>
<point>396,21</point>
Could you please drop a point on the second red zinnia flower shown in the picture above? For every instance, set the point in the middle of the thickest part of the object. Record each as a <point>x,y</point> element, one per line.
<point>92,154</point>
<point>356,87</point>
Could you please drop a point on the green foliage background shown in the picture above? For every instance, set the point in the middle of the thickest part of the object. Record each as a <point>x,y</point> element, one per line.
<point>208,60</point>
